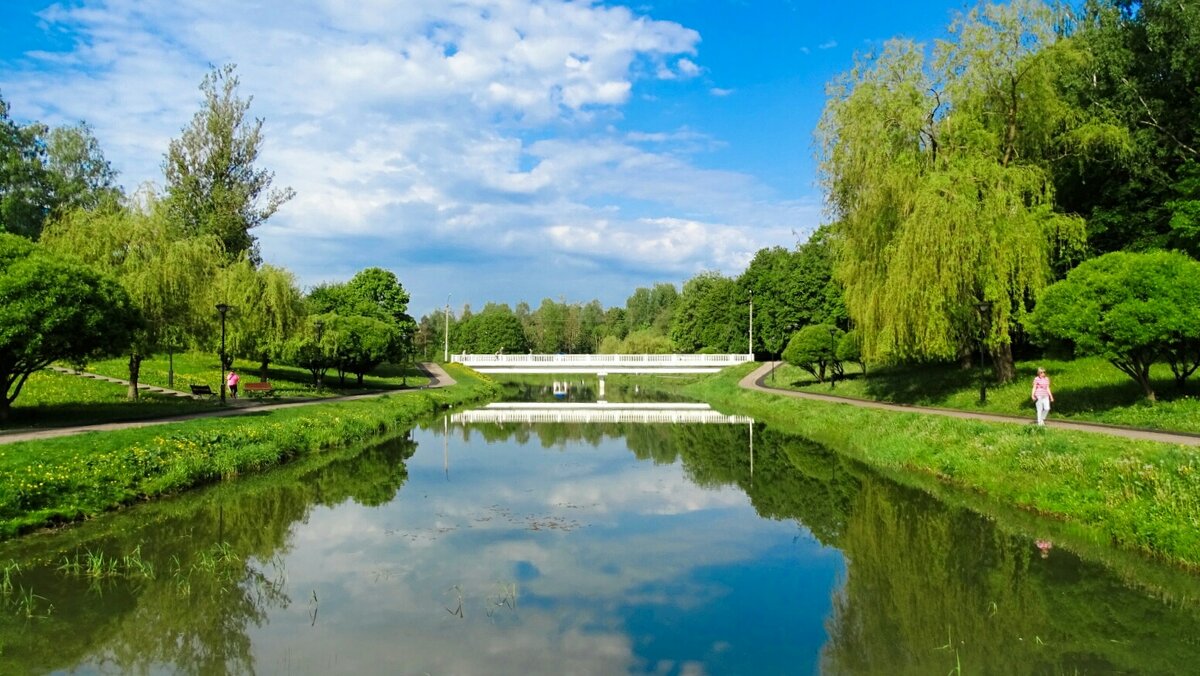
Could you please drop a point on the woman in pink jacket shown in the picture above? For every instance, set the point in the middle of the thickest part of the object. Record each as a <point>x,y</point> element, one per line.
<point>1041,395</point>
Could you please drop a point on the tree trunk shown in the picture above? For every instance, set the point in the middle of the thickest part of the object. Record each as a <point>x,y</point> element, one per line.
<point>1002,366</point>
<point>262,374</point>
<point>135,365</point>
<point>5,405</point>
<point>360,378</point>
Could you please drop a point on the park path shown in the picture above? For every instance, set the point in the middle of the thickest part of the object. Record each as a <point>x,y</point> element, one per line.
<point>437,378</point>
<point>754,381</point>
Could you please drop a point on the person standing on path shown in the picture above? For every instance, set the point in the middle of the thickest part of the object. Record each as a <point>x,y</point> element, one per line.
<point>1041,395</point>
<point>232,382</point>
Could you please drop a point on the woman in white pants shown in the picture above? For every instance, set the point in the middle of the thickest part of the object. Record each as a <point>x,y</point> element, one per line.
<point>1041,395</point>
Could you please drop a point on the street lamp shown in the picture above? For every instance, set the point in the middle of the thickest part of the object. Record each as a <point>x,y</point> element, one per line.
<point>832,357</point>
<point>223,309</point>
<point>985,318</point>
<point>320,327</point>
<point>751,344</point>
<point>446,356</point>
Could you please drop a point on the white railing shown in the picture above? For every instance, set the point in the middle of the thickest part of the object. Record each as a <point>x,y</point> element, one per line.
<point>599,362</point>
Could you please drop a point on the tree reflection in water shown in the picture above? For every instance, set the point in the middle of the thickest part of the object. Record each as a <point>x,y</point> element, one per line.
<point>216,562</point>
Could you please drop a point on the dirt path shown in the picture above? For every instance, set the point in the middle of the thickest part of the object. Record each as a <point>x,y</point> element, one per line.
<point>754,381</point>
<point>437,378</point>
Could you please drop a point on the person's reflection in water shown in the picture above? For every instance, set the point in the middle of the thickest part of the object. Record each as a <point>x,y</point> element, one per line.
<point>1044,546</point>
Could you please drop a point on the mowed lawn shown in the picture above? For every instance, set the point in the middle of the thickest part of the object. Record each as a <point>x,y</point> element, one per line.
<point>51,399</point>
<point>1088,389</point>
<point>289,382</point>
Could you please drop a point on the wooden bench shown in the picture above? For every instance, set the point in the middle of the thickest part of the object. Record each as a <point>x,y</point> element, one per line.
<point>198,390</point>
<point>260,388</point>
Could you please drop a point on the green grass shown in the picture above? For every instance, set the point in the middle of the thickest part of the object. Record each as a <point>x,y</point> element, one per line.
<point>1088,389</point>
<point>51,399</point>
<point>192,368</point>
<point>70,478</point>
<point>1140,496</point>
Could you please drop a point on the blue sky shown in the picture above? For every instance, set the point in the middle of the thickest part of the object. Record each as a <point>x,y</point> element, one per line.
<point>495,150</point>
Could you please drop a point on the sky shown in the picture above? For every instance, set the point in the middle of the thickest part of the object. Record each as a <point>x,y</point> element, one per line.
<point>489,150</point>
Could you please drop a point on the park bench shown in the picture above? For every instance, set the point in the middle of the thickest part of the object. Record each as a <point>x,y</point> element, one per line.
<point>260,388</point>
<point>198,390</point>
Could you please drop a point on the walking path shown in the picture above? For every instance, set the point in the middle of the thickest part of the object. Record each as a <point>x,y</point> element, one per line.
<point>437,378</point>
<point>754,381</point>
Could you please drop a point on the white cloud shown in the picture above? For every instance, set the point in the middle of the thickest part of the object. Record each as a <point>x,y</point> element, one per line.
<point>479,128</point>
<point>830,44</point>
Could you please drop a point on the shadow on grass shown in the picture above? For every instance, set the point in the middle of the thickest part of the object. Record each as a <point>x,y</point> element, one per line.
<point>72,414</point>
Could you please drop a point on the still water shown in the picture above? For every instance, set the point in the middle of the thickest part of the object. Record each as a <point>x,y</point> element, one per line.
<point>584,549</point>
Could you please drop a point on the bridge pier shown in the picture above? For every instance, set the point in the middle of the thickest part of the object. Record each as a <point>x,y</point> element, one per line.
<point>600,392</point>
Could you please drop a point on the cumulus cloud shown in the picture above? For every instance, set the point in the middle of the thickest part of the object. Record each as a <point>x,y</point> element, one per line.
<point>475,129</point>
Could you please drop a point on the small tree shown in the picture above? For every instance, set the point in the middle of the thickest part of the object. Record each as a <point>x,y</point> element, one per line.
<point>814,349</point>
<point>52,310</point>
<point>1130,308</point>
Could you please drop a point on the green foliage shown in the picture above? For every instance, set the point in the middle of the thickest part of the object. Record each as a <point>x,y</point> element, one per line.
<point>814,348</point>
<point>358,344</point>
<point>651,309</point>
<point>266,309</point>
<point>940,177</point>
<point>213,186</point>
<point>494,329</point>
<point>706,315</point>
<point>168,275</point>
<point>1142,71</point>
<point>1132,309</point>
<point>53,310</point>
<point>646,341</point>
<point>849,349</point>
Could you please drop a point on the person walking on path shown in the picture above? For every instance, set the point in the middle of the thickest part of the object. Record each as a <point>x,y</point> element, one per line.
<point>1041,395</point>
<point>232,382</point>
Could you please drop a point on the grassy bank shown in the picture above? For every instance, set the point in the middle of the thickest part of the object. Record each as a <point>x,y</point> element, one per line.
<point>71,478</point>
<point>1088,389</point>
<point>1140,496</point>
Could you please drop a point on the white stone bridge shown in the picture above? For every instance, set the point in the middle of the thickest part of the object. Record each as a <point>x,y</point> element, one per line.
<point>600,364</point>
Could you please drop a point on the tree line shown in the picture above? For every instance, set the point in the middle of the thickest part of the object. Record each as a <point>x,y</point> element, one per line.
<point>87,270</point>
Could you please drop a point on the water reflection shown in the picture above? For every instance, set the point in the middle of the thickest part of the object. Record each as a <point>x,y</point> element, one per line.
<point>583,548</point>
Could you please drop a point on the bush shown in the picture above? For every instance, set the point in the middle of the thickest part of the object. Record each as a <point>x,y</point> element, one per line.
<point>814,349</point>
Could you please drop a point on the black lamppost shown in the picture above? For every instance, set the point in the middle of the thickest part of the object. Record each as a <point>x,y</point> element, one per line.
<point>223,309</point>
<point>832,357</point>
<point>320,326</point>
<point>985,319</point>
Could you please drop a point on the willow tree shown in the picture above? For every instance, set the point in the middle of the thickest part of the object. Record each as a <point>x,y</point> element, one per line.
<point>166,273</point>
<point>938,172</point>
<point>266,309</point>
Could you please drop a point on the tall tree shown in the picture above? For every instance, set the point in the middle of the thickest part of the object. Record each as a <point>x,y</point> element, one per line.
<point>213,184</point>
<point>25,194</point>
<point>79,174</point>
<point>939,176</point>
<point>1143,70</point>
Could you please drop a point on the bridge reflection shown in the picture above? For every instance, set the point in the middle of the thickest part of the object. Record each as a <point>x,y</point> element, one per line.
<point>601,412</point>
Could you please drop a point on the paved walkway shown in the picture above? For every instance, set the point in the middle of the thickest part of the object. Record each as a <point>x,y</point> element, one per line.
<point>437,378</point>
<point>754,381</point>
